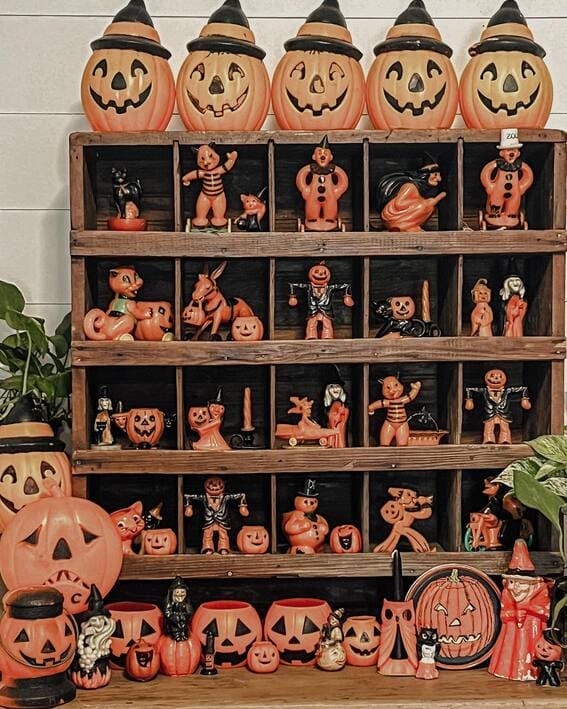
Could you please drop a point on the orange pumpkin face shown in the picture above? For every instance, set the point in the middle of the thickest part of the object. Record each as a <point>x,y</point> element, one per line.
<point>197,417</point>
<point>263,657</point>
<point>159,542</point>
<point>253,539</point>
<point>319,274</point>
<point>178,657</point>
<point>142,661</point>
<point>403,307</point>
<point>463,605</point>
<point>362,640</point>
<point>235,626</point>
<point>345,539</point>
<point>247,329</point>
<point>144,427</point>
<point>134,622</point>
<point>294,626</point>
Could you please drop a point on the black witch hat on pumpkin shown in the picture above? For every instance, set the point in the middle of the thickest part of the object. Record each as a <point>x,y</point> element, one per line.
<point>507,31</point>
<point>132,28</point>
<point>95,605</point>
<point>227,30</point>
<point>413,29</point>
<point>18,434</point>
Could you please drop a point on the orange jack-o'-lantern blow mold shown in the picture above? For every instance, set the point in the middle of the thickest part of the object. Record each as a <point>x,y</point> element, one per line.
<point>506,83</point>
<point>412,82</point>
<point>319,84</point>
<point>362,640</point>
<point>294,626</point>
<point>127,84</point>
<point>223,83</point>
<point>134,621</point>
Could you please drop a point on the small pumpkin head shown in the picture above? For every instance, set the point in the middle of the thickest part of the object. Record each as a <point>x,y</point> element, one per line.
<point>412,82</point>
<point>547,651</point>
<point>480,292</point>
<point>127,84</point>
<point>135,622</point>
<point>142,661</point>
<point>345,539</point>
<point>495,379</point>
<point>253,539</point>
<point>294,626</point>
<point>319,275</point>
<point>159,542</point>
<point>263,657</point>
<point>506,83</point>
<point>247,329</point>
<point>144,427</point>
<point>198,416</point>
<point>319,83</point>
<point>362,640</point>
<point>402,306</point>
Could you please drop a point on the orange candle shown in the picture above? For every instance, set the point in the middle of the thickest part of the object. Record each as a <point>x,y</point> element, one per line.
<point>425,307</point>
<point>247,410</point>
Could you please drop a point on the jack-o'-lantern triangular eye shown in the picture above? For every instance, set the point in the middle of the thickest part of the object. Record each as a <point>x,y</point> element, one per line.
<point>88,536</point>
<point>22,637</point>
<point>68,630</point>
<point>211,628</point>
<point>146,629</point>
<point>118,630</point>
<point>279,626</point>
<point>309,626</point>
<point>33,538</point>
<point>241,628</point>
<point>351,633</point>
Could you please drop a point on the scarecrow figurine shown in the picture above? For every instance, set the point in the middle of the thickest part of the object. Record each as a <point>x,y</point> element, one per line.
<point>304,528</point>
<point>320,301</point>
<point>514,306</point>
<point>496,398</point>
<point>178,611</point>
<point>103,419</point>
<point>331,654</point>
<point>322,184</point>
<point>215,505</point>
<point>396,426</point>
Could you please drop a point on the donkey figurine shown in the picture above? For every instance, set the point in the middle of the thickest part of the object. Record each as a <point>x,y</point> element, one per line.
<point>209,307</point>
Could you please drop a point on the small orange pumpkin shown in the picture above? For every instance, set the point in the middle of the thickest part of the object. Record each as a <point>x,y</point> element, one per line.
<point>142,661</point>
<point>158,327</point>
<point>159,542</point>
<point>362,640</point>
<point>179,657</point>
<point>345,539</point>
<point>263,657</point>
<point>247,329</point>
<point>253,539</point>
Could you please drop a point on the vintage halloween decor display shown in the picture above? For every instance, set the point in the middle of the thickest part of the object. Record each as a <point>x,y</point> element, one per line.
<point>397,653</point>
<point>306,429</point>
<point>254,206</point>
<point>245,439</point>
<point>212,197</point>
<point>91,666</point>
<point>179,649</point>
<point>304,528</point>
<point>396,316</point>
<point>362,640</point>
<point>548,662</point>
<point>514,305</point>
<point>129,523</point>
<point>395,427</point>
<point>263,657</point>
<point>209,308</point>
<point>319,295</point>
<point>68,543</point>
<point>236,626</point>
<point>294,626</point>
<point>345,539</point>
<point>144,427</point>
<point>331,654</point>
<point>38,638</point>
<point>322,184</point>
<point>506,83</point>
<point>405,507</point>
<point>524,616</point>
<point>223,83</point>
<point>127,84</point>
<point>406,200</point>
<point>208,651</point>
<point>253,539</point>
<point>428,651</point>
<point>462,604</point>
<point>142,661</point>
<point>424,429</point>
<point>127,199</point>
<point>215,503</point>
<point>136,622</point>
<point>158,542</point>
<point>103,420</point>
<point>497,400</point>
<point>319,84</point>
<point>506,180</point>
<point>482,315</point>
<point>338,413</point>
<point>30,455</point>
<point>412,83</point>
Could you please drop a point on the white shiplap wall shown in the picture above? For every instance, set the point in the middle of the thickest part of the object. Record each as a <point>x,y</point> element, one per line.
<point>44,45</point>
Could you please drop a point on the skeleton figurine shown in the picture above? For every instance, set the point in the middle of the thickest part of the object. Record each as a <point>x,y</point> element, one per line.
<point>395,427</point>
<point>331,655</point>
<point>103,419</point>
<point>514,305</point>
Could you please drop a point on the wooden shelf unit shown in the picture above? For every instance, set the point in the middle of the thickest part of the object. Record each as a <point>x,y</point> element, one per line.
<point>379,263</point>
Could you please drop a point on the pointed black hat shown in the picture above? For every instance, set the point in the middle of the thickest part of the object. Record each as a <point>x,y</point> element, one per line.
<point>413,29</point>
<point>25,412</point>
<point>95,605</point>
<point>507,31</point>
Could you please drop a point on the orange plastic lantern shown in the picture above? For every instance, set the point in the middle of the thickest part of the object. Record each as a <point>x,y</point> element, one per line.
<point>235,625</point>
<point>127,84</point>
<point>345,539</point>
<point>253,539</point>
<point>294,626</point>
<point>159,542</point>
<point>142,661</point>
<point>412,82</point>
<point>144,427</point>
<point>362,640</point>
<point>506,83</point>
<point>223,83</point>
<point>66,542</point>
<point>463,605</point>
<point>263,657</point>
<point>134,621</point>
<point>247,329</point>
<point>319,83</point>
<point>29,455</point>
<point>179,657</point>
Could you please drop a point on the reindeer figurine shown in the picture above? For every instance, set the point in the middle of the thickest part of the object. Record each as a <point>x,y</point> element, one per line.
<point>209,307</point>
<point>306,429</point>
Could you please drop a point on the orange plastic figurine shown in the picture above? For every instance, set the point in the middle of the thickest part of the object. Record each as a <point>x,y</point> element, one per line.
<point>304,528</point>
<point>548,662</point>
<point>322,184</point>
<point>337,410</point>
<point>216,516</point>
<point>496,397</point>
<point>320,301</point>
<point>515,306</point>
<point>212,196</point>
<point>482,315</point>
<point>401,512</point>
<point>306,429</point>
<point>127,199</point>
<point>396,426</point>
<point>254,207</point>
<point>505,181</point>
<point>207,422</point>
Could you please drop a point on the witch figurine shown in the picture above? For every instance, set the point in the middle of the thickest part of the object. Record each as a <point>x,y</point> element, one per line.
<point>514,305</point>
<point>254,210</point>
<point>178,610</point>
<point>337,410</point>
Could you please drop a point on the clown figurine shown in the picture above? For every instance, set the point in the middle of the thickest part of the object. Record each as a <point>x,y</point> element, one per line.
<point>303,527</point>
<point>514,306</point>
<point>505,181</point>
<point>322,184</point>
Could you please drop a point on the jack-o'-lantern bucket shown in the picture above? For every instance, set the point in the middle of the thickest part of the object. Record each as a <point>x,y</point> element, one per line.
<point>294,626</point>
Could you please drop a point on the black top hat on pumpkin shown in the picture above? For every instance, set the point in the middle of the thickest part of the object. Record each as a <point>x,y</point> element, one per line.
<point>227,30</point>
<point>132,28</point>
<point>325,30</point>
<point>507,31</point>
<point>413,29</point>
<point>96,605</point>
<point>33,603</point>
<point>26,412</point>
<point>309,488</point>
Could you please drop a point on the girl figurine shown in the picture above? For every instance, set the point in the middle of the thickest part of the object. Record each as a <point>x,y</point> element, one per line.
<point>395,427</point>
<point>482,315</point>
<point>338,412</point>
<point>515,307</point>
<point>103,419</point>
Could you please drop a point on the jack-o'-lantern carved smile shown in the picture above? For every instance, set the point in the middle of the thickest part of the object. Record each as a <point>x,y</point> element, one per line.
<point>218,96</point>
<point>317,88</point>
<point>119,92</point>
<point>510,111</point>
<point>416,110</point>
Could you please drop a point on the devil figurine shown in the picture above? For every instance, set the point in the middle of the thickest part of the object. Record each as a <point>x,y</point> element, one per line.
<point>395,428</point>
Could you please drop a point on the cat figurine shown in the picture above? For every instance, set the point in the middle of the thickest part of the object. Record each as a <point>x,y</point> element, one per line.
<point>130,523</point>
<point>254,211</point>
<point>127,195</point>
<point>428,651</point>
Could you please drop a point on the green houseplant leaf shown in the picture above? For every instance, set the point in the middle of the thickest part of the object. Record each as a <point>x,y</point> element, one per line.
<point>551,447</point>
<point>10,297</point>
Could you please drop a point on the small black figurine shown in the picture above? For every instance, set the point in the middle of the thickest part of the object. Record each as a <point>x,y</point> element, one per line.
<point>127,199</point>
<point>178,611</point>
<point>548,661</point>
<point>153,518</point>
<point>396,316</point>
<point>428,652</point>
<point>209,669</point>
<point>254,206</point>
<point>103,419</point>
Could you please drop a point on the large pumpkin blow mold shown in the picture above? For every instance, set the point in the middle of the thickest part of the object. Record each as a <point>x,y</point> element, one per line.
<point>65,542</point>
<point>412,82</point>
<point>294,626</point>
<point>319,83</point>
<point>506,83</point>
<point>127,84</point>
<point>29,456</point>
<point>135,622</point>
<point>223,83</point>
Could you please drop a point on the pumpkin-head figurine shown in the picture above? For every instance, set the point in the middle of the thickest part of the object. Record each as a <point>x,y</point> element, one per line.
<point>304,528</point>
<point>223,83</point>
<point>127,84</point>
<point>412,82</point>
<point>178,648</point>
<point>548,661</point>
<point>506,83</point>
<point>319,84</point>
